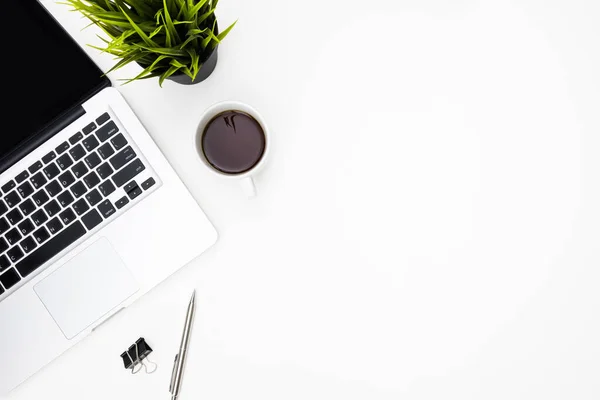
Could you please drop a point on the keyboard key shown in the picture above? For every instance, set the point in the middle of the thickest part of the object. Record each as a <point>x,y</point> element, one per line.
<point>90,143</point>
<point>39,217</point>
<point>8,186</point>
<point>128,173</point>
<point>107,131</point>
<point>77,152</point>
<point>66,179</point>
<point>14,216</point>
<point>105,170</point>
<point>28,244</point>
<point>76,138</point>
<point>102,119</point>
<point>67,216</point>
<point>93,197</point>
<point>49,157</point>
<point>92,160</point>
<point>61,148</point>
<point>13,236</point>
<point>79,169</point>
<point>25,189</point>
<point>64,161</point>
<point>22,176</point>
<point>54,225</point>
<point>40,197</point>
<point>89,128</point>
<point>27,207</point>
<point>38,180</point>
<point>12,199</point>
<point>106,208</point>
<point>3,207</point>
<point>135,192</point>
<point>78,189</point>
<point>65,198</point>
<point>52,208</point>
<point>41,235</point>
<point>91,219</point>
<point>118,141</point>
<point>122,158</point>
<point>51,171</point>
<point>106,188</point>
<point>4,263</point>
<point>26,227</point>
<point>4,225</point>
<point>53,188</point>
<point>35,167</point>
<point>15,254</point>
<point>91,179</point>
<point>10,278</point>
<point>50,249</point>
<point>122,202</point>
<point>130,186</point>
<point>3,245</point>
<point>148,183</point>
<point>106,151</point>
<point>80,207</point>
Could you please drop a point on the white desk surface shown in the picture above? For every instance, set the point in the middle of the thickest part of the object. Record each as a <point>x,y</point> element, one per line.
<point>428,225</point>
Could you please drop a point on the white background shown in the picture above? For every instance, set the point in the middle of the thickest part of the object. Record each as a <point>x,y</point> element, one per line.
<point>427,226</point>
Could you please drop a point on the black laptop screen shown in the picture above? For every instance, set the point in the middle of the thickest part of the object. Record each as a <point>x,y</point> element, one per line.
<point>43,73</point>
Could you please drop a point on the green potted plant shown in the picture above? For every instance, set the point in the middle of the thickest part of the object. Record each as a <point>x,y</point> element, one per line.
<point>169,39</point>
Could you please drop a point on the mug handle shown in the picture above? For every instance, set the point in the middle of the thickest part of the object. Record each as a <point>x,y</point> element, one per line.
<point>248,187</point>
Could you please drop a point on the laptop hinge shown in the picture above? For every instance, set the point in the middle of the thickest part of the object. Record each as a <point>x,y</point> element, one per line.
<point>35,141</point>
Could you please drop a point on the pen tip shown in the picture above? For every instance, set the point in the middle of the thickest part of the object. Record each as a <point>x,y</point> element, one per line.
<point>193,296</point>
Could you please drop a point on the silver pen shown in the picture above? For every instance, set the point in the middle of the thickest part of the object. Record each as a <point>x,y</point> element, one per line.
<point>179,365</point>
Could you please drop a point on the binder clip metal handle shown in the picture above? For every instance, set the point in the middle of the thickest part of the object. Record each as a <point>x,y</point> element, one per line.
<point>136,357</point>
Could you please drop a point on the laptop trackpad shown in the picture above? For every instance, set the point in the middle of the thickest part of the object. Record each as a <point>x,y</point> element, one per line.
<point>86,288</point>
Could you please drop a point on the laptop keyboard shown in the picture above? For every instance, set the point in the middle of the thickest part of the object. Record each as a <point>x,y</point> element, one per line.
<point>63,196</point>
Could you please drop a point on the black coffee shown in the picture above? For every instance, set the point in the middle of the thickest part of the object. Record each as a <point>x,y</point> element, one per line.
<point>233,142</point>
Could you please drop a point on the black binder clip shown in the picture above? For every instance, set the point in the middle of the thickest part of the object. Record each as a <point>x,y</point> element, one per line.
<point>136,357</point>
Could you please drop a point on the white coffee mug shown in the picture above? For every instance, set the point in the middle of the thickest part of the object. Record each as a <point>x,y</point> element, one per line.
<point>245,178</point>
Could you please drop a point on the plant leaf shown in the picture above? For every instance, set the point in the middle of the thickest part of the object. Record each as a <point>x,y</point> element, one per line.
<point>140,32</point>
<point>149,69</point>
<point>222,35</point>
<point>183,68</point>
<point>156,31</point>
<point>140,6</point>
<point>206,41</point>
<point>196,31</point>
<point>142,74</point>
<point>170,26</point>
<point>195,66</point>
<point>164,50</point>
<point>188,40</point>
<point>194,10</point>
<point>158,16</point>
<point>182,5</point>
<point>167,74</point>
<point>124,61</point>
<point>205,16</point>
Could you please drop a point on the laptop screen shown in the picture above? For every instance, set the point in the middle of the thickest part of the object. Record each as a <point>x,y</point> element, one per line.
<point>43,71</point>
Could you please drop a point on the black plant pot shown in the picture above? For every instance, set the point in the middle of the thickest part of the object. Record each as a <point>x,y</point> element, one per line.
<point>208,66</point>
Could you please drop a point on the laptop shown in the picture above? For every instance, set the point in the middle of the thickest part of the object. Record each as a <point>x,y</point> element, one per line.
<point>92,216</point>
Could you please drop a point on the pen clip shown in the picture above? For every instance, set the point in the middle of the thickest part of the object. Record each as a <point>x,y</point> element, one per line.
<point>173,374</point>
